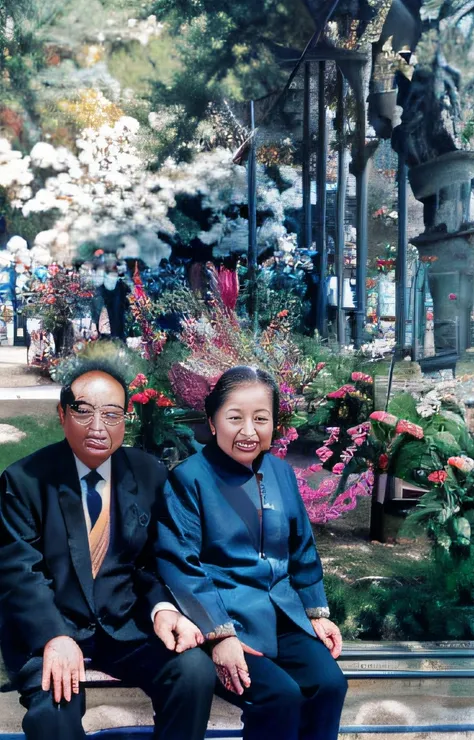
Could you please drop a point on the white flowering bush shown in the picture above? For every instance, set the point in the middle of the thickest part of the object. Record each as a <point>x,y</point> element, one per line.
<point>105,194</point>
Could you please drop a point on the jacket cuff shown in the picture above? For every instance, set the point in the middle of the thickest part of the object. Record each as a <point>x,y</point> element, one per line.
<point>318,612</point>
<point>223,630</point>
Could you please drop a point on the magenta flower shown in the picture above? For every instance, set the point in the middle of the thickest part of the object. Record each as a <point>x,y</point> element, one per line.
<point>338,469</point>
<point>345,501</point>
<point>452,297</point>
<point>341,392</point>
<point>228,283</point>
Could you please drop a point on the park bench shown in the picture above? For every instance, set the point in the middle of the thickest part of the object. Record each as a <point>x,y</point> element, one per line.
<point>361,662</point>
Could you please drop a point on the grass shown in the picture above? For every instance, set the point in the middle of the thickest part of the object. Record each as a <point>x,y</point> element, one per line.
<point>40,431</point>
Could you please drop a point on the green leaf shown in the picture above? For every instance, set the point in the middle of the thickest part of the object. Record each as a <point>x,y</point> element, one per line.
<point>445,443</point>
<point>403,405</point>
<point>460,530</point>
<point>414,455</point>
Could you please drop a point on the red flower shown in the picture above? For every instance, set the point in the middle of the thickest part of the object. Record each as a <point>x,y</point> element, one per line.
<point>320,366</point>
<point>139,398</point>
<point>438,476</point>
<point>164,402</point>
<point>407,427</point>
<point>383,461</point>
<point>98,253</point>
<point>50,299</point>
<point>283,314</point>
<point>452,297</point>
<point>150,393</point>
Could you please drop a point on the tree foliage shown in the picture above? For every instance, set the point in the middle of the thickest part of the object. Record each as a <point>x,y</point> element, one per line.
<point>226,50</point>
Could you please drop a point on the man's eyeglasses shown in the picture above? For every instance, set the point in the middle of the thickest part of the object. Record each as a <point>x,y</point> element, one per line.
<point>83,413</point>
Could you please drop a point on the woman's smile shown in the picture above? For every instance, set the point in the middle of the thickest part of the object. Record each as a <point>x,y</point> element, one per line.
<point>246,445</point>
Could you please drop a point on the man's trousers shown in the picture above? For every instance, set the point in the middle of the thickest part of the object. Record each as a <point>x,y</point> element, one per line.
<point>180,686</point>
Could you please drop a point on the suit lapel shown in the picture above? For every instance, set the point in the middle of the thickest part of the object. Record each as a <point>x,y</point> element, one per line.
<point>70,501</point>
<point>127,512</point>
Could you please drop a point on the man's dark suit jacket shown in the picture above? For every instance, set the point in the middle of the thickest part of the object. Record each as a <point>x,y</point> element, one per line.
<point>46,584</point>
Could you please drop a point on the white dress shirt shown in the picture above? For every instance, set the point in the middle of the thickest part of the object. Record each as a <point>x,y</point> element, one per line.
<point>105,470</point>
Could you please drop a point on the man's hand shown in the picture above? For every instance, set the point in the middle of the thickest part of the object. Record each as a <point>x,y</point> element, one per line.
<point>64,662</point>
<point>176,631</point>
<point>231,667</point>
<point>329,635</point>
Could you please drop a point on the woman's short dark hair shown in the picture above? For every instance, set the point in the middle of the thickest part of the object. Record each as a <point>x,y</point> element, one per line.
<point>90,366</point>
<point>235,377</point>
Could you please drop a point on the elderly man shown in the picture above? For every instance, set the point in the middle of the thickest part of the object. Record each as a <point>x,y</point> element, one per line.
<point>77,575</point>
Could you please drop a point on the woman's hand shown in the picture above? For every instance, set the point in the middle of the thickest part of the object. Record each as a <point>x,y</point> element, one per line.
<point>229,659</point>
<point>329,635</point>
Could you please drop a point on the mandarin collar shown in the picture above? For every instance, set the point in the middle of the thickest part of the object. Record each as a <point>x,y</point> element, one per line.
<point>220,459</point>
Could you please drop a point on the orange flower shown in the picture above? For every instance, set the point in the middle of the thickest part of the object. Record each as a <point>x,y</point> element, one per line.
<point>283,314</point>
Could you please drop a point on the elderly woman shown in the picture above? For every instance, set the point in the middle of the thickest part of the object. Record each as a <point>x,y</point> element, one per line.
<point>235,547</point>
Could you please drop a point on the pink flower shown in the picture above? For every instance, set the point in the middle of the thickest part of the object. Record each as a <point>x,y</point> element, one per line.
<point>452,297</point>
<point>338,469</point>
<point>333,434</point>
<point>286,389</point>
<point>438,476</point>
<point>359,441</point>
<point>327,486</point>
<point>407,427</point>
<point>342,391</point>
<point>320,366</point>
<point>324,453</point>
<point>315,468</point>
<point>384,418</point>
<point>280,452</point>
<point>291,434</point>
<point>362,377</point>
<point>361,429</point>
<point>138,381</point>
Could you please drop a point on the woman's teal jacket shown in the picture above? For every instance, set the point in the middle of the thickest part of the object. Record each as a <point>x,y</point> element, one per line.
<point>234,542</point>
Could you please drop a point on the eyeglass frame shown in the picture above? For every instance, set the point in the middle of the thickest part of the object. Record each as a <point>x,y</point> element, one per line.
<point>95,409</point>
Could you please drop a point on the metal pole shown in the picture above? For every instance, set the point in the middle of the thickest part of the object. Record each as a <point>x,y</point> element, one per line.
<point>252,204</point>
<point>401,266</point>
<point>306,173</point>
<point>340,205</point>
<point>361,225</point>
<point>321,318</point>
